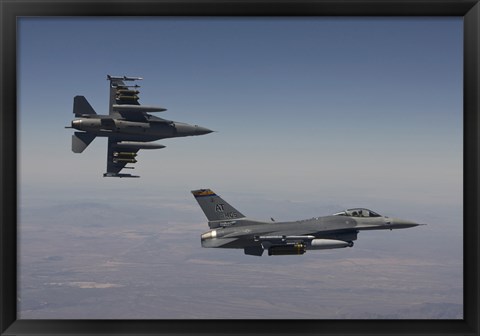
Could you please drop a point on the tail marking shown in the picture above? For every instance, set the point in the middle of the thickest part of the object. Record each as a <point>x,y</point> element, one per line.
<point>218,212</point>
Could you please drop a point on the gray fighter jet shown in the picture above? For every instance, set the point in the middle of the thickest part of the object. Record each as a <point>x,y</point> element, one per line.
<point>231,229</point>
<point>128,126</point>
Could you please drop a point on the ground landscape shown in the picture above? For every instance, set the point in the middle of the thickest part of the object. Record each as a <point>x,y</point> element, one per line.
<point>91,259</point>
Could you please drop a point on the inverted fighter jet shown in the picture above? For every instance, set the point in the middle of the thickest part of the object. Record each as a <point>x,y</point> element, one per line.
<point>128,126</point>
<point>231,229</point>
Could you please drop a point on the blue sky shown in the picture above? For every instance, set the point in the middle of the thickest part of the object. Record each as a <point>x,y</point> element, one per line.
<point>329,102</point>
<point>325,111</point>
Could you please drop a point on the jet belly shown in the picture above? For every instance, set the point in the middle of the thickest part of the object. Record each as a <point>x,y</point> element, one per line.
<point>160,130</point>
<point>156,130</point>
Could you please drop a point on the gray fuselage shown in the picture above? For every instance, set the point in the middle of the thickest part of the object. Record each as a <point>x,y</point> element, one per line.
<point>137,130</point>
<point>231,229</point>
<point>243,232</point>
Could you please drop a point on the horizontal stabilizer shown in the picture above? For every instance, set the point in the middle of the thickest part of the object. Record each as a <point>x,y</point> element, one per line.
<point>80,141</point>
<point>126,78</point>
<point>81,107</point>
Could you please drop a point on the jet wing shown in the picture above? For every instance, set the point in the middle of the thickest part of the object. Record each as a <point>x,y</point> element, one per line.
<point>121,93</point>
<point>118,158</point>
<point>124,100</point>
<point>306,232</point>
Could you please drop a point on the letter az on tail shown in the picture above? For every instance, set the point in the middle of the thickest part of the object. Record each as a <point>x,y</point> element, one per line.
<point>128,126</point>
<point>231,229</point>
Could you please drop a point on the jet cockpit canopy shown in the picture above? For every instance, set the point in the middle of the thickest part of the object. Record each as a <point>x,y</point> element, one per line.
<point>358,212</point>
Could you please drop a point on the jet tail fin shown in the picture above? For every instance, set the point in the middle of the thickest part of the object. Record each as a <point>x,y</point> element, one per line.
<point>82,107</point>
<point>214,207</point>
<point>80,141</point>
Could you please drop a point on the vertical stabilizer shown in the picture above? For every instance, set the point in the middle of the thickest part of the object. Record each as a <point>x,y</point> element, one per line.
<point>214,207</point>
<point>81,107</point>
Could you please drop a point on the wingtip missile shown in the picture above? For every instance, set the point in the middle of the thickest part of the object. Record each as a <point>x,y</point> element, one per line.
<point>126,78</point>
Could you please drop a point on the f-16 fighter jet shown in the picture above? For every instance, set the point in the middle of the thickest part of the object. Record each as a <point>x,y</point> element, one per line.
<point>128,126</point>
<point>231,229</point>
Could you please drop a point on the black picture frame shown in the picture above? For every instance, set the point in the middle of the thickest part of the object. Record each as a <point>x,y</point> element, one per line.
<point>11,10</point>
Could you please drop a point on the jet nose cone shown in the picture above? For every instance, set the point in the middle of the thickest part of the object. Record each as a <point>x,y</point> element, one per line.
<point>183,129</point>
<point>199,130</point>
<point>403,224</point>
